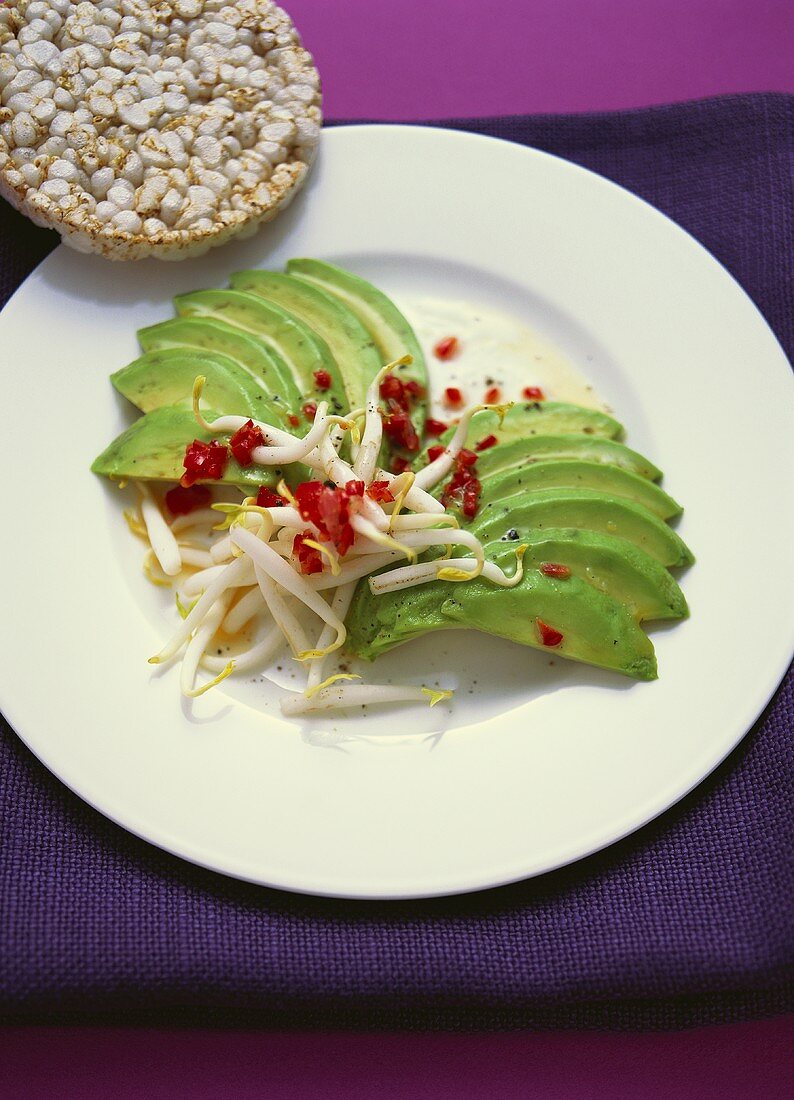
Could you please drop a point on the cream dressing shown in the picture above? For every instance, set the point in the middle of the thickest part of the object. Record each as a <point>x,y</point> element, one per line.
<point>494,349</point>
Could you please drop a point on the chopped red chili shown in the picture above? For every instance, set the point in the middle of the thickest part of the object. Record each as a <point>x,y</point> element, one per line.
<point>446,348</point>
<point>310,558</point>
<point>493,395</point>
<point>322,379</point>
<point>183,499</point>
<point>330,509</point>
<point>484,444</point>
<point>554,569</point>
<point>309,410</point>
<point>413,389</point>
<point>204,461</point>
<point>293,420</point>
<point>464,488</point>
<point>471,497</point>
<point>244,440</point>
<point>533,393</point>
<point>548,635</point>
<point>399,465</point>
<point>453,397</point>
<point>435,451</point>
<point>435,427</point>
<point>392,388</point>
<point>399,429</point>
<point>380,491</point>
<point>269,498</point>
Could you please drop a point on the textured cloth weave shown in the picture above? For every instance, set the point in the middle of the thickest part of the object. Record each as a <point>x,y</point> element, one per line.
<point>686,922</point>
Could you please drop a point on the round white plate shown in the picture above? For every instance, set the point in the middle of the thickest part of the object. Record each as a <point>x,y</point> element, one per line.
<point>535,765</point>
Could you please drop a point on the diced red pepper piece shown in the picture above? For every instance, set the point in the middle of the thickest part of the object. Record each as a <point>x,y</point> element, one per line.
<point>471,497</point>
<point>435,427</point>
<point>322,380</point>
<point>269,498</point>
<point>446,348</point>
<point>391,389</point>
<point>204,461</point>
<point>310,410</point>
<point>330,509</point>
<point>380,492</point>
<point>413,389</point>
<point>453,397</point>
<point>493,396</point>
<point>310,559</point>
<point>533,393</point>
<point>293,420</point>
<point>548,635</point>
<point>398,427</point>
<point>465,457</point>
<point>399,464</point>
<point>244,440</point>
<point>554,569</point>
<point>181,500</point>
<point>484,444</point>
<point>435,452</point>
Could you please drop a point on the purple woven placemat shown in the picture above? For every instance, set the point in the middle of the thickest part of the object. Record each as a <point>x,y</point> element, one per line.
<point>686,922</point>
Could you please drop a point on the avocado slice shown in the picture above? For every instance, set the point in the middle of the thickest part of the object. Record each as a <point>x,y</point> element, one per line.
<point>612,565</point>
<point>533,418</point>
<point>289,338</point>
<point>596,628</point>
<point>251,354</point>
<point>351,344</point>
<point>528,514</point>
<point>391,332</point>
<point>153,448</point>
<point>518,453</point>
<point>166,376</point>
<point>572,474</point>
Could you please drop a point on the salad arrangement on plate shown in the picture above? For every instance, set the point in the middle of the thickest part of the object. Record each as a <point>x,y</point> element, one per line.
<point>292,487</point>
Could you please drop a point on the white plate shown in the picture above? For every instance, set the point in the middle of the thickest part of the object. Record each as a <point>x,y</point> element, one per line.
<point>539,765</point>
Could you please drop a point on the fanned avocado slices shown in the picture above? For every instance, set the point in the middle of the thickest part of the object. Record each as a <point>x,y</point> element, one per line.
<point>153,448</point>
<point>294,342</point>
<point>596,628</point>
<point>528,514</point>
<point>516,453</point>
<point>351,344</point>
<point>391,332</point>
<point>557,481</point>
<point>203,334</point>
<point>166,377</point>
<point>571,474</point>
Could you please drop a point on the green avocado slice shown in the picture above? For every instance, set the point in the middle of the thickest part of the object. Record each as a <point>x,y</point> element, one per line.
<point>612,565</point>
<point>528,514</point>
<point>596,628</point>
<point>166,377</point>
<point>571,474</point>
<point>518,453</point>
<point>391,332</point>
<point>289,338</point>
<point>251,354</point>
<point>351,344</point>
<point>528,419</point>
<point>153,448</point>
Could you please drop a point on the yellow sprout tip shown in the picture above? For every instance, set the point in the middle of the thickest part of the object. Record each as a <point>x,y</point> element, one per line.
<point>154,661</point>
<point>456,575</point>
<point>309,692</point>
<point>436,695</point>
<point>194,693</point>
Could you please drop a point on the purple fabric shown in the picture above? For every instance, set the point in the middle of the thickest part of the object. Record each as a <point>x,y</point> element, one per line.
<point>414,59</point>
<point>686,922</point>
